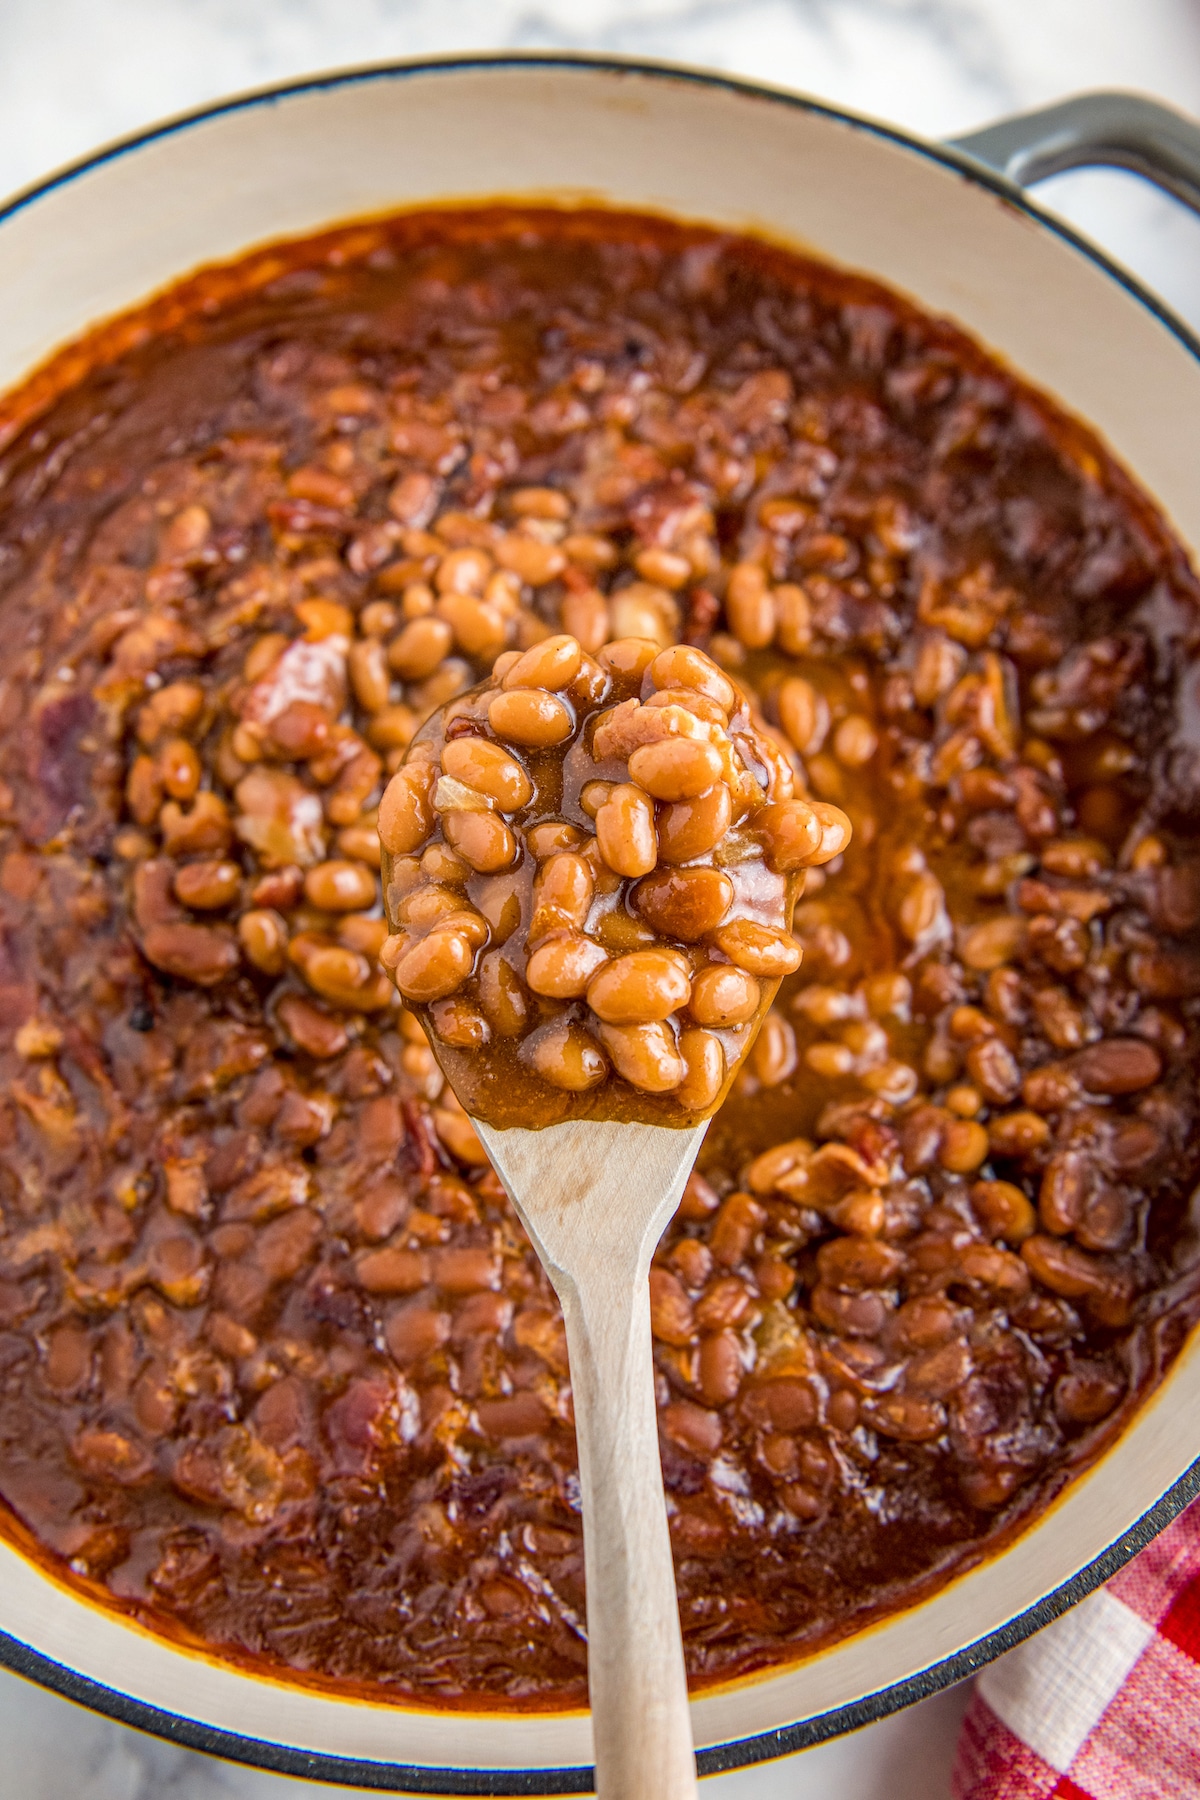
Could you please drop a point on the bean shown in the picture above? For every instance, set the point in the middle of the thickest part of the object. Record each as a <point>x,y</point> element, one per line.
<point>643,610</point>
<point>204,828</point>
<point>725,1302</point>
<point>671,1317</point>
<point>414,1331</point>
<point>469,1270</point>
<point>1107,1220</point>
<point>759,949</point>
<point>909,1417</point>
<point>736,1228</point>
<point>530,559</point>
<point>803,713</point>
<point>311,1029</point>
<point>645,1056</point>
<point>793,613</point>
<point>440,863</point>
<point>361,844</point>
<point>693,1428</point>
<point>566,1057</point>
<point>677,768</point>
<point>629,657</point>
<point>792,832</point>
<point>205,954</point>
<point>368,666</point>
<point>551,665</point>
<point>683,666</point>
<point>455,1021</point>
<point>1067,1185</point>
<point>720,1368</point>
<point>550,836</point>
<point>860,1315</point>
<point>637,989</point>
<point>179,768</point>
<point>938,666</point>
<point>174,708</point>
<point>563,967</point>
<point>364,935</point>
<point>723,995</point>
<point>334,970</point>
<point>922,908</point>
<point>1063,1269</point>
<point>625,831</point>
<point>691,828</point>
<point>490,770</point>
<point>594,794</point>
<point>1117,1066</point>
<point>699,705</point>
<point>775,1056</point>
<point>434,967</point>
<point>894,1081</point>
<point>392,1271</point>
<point>749,606</point>
<point>1087,1392</point>
<point>480,628</point>
<point>802,834</point>
<point>926,1322</point>
<point>463,571</point>
<point>405,813</point>
<point>854,1263</point>
<point>1004,1211</point>
<point>994,1067</point>
<point>420,647</point>
<point>482,839</point>
<point>692,1260</point>
<point>1018,1134</point>
<point>684,903</point>
<point>426,907</point>
<point>340,887</point>
<point>392,728</point>
<point>663,567</point>
<point>855,741</point>
<point>861,1212</point>
<point>144,790</point>
<point>990,945</point>
<point>964,1146</point>
<point>530,717</point>
<point>208,885</point>
<point>780,1403</point>
<point>704,1070</point>
<point>481,1316</point>
<point>564,888</point>
<point>502,996</point>
<point>541,503</point>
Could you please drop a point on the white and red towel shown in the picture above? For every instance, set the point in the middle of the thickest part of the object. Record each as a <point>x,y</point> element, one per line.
<point>1104,1704</point>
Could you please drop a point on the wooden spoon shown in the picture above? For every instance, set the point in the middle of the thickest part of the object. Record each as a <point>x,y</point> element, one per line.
<point>595,1198</point>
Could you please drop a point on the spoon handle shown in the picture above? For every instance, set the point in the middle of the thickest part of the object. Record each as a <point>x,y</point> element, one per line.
<point>635,1651</point>
<point>595,1198</point>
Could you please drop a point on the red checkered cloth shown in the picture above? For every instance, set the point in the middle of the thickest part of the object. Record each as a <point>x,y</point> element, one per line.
<point>1104,1704</point>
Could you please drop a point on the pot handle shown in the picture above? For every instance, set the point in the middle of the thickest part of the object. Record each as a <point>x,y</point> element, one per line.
<point>1126,131</point>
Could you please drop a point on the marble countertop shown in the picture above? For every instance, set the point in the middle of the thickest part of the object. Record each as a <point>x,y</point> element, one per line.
<point>76,72</point>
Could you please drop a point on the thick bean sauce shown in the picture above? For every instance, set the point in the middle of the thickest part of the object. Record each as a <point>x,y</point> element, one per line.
<point>278,1369</point>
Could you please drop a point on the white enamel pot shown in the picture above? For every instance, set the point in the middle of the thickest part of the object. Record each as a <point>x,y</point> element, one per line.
<point>935,224</point>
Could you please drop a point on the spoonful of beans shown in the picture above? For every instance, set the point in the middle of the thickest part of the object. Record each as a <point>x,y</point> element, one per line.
<point>590,867</point>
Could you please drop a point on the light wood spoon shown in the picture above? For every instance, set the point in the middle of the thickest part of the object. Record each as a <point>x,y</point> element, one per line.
<point>595,1198</point>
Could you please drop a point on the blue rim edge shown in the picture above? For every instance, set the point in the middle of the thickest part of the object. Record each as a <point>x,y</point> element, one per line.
<point>764,1746</point>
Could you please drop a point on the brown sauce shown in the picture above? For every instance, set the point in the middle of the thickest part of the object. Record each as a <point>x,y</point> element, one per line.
<point>279,1372</point>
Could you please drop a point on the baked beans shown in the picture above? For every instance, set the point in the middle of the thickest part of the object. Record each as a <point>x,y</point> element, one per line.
<point>616,961</point>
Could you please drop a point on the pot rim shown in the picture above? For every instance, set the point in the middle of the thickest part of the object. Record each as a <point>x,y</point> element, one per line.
<point>281,1759</point>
